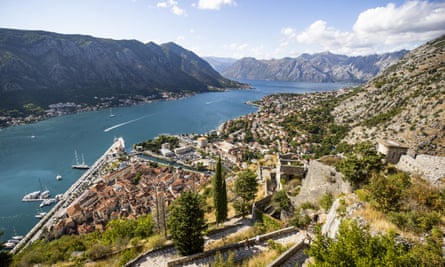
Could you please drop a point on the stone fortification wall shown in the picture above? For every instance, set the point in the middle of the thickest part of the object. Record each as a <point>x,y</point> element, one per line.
<point>431,168</point>
<point>320,179</point>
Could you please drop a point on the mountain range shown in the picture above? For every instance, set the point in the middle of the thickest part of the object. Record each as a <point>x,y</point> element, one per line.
<point>320,67</point>
<point>43,67</point>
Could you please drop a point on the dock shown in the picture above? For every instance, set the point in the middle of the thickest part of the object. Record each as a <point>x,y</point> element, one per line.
<point>59,210</point>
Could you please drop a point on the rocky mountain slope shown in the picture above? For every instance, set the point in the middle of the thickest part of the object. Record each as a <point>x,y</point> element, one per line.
<point>322,67</point>
<point>43,67</point>
<point>405,103</point>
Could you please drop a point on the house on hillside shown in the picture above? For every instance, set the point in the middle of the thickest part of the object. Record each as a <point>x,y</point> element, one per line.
<point>392,150</point>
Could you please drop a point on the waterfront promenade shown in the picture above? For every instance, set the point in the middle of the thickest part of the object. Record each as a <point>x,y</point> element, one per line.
<point>72,194</point>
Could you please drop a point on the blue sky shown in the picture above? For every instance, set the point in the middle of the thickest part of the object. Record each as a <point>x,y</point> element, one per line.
<point>264,29</point>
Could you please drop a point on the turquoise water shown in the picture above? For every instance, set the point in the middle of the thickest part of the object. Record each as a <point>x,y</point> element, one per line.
<point>43,150</point>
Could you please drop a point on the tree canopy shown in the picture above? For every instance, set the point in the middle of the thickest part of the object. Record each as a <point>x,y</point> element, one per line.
<point>186,224</point>
<point>246,188</point>
<point>358,166</point>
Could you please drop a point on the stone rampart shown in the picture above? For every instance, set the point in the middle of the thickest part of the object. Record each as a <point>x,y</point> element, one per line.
<point>431,168</point>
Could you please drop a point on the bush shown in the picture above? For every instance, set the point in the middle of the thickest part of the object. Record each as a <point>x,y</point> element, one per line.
<point>355,246</point>
<point>98,251</point>
<point>326,201</point>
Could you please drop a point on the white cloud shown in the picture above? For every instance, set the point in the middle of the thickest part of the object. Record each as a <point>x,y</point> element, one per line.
<point>173,6</point>
<point>214,4</point>
<point>377,30</point>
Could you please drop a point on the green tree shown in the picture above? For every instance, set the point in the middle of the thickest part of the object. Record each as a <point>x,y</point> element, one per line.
<point>186,224</point>
<point>246,188</point>
<point>281,201</point>
<point>219,194</point>
<point>387,192</point>
<point>359,165</point>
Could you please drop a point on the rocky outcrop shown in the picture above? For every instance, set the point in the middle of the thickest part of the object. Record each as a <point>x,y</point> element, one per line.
<point>322,67</point>
<point>43,67</point>
<point>320,179</point>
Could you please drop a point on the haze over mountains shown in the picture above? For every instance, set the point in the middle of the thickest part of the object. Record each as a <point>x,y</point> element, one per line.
<point>320,67</point>
<point>43,68</point>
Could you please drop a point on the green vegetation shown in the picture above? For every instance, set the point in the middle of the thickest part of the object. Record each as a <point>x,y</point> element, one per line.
<point>186,224</point>
<point>360,163</point>
<point>246,188</point>
<point>281,201</point>
<point>412,204</point>
<point>219,194</point>
<point>326,201</point>
<point>220,261</point>
<point>122,238</point>
<point>155,145</point>
<point>355,246</point>
<point>382,117</point>
<point>319,124</point>
<point>123,229</point>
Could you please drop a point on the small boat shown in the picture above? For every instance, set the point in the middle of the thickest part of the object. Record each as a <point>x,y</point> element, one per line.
<point>45,194</point>
<point>59,177</point>
<point>58,197</point>
<point>77,164</point>
<point>111,114</point>
<point>47,202</point>
<point>40,215</point>
<point>17,237</point>
<point>9,245</point>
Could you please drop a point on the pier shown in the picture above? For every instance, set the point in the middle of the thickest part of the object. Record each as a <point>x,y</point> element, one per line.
<point>89,177</point>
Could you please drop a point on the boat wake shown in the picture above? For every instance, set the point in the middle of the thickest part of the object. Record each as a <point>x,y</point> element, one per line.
<point>122,124</point>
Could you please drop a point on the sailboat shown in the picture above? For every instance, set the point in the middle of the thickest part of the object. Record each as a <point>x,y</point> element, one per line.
<point>111,113</point>
<point>77,164</point>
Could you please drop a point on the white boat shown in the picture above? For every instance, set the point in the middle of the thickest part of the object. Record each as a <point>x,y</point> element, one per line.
<point>47,202</point>
<point>59,177</point>
<point>45,194</point>
<point>77,164</point>
<point>17,237</point>
<point>40,215</point>
<point>33,196</point>
<point>111,114</point>
<point>9,245</point>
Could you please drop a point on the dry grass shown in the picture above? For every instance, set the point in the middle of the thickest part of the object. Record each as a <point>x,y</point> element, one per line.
<point>262,259</point>
<point>234,238</point>
<point>376,219</point>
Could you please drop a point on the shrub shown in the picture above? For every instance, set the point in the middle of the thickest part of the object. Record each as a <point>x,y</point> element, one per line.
<point>326,201</point>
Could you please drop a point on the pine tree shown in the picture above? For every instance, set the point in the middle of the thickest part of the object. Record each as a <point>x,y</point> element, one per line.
<point>186,224</point>
<point>219,194</point>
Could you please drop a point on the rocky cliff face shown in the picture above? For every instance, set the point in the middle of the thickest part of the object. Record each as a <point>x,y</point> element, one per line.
<point>322,67</point>
<point>406,103</point>
<point>43,67</point>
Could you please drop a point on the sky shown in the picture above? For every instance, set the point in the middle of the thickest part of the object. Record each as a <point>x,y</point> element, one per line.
<point>264,29</point>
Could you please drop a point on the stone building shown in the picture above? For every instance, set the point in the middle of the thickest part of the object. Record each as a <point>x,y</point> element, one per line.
<point>392,150</point>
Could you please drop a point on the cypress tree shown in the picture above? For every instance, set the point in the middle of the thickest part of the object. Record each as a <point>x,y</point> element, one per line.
<point>219,194</point>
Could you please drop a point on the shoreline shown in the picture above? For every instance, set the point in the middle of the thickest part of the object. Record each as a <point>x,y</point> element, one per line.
<point>69,197</point>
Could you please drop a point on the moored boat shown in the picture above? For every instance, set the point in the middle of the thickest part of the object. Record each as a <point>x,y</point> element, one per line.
<point>77,164</point>
<point>33,196</point>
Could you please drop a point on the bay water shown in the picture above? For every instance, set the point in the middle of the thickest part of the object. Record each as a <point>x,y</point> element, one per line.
<point>31,156</point>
